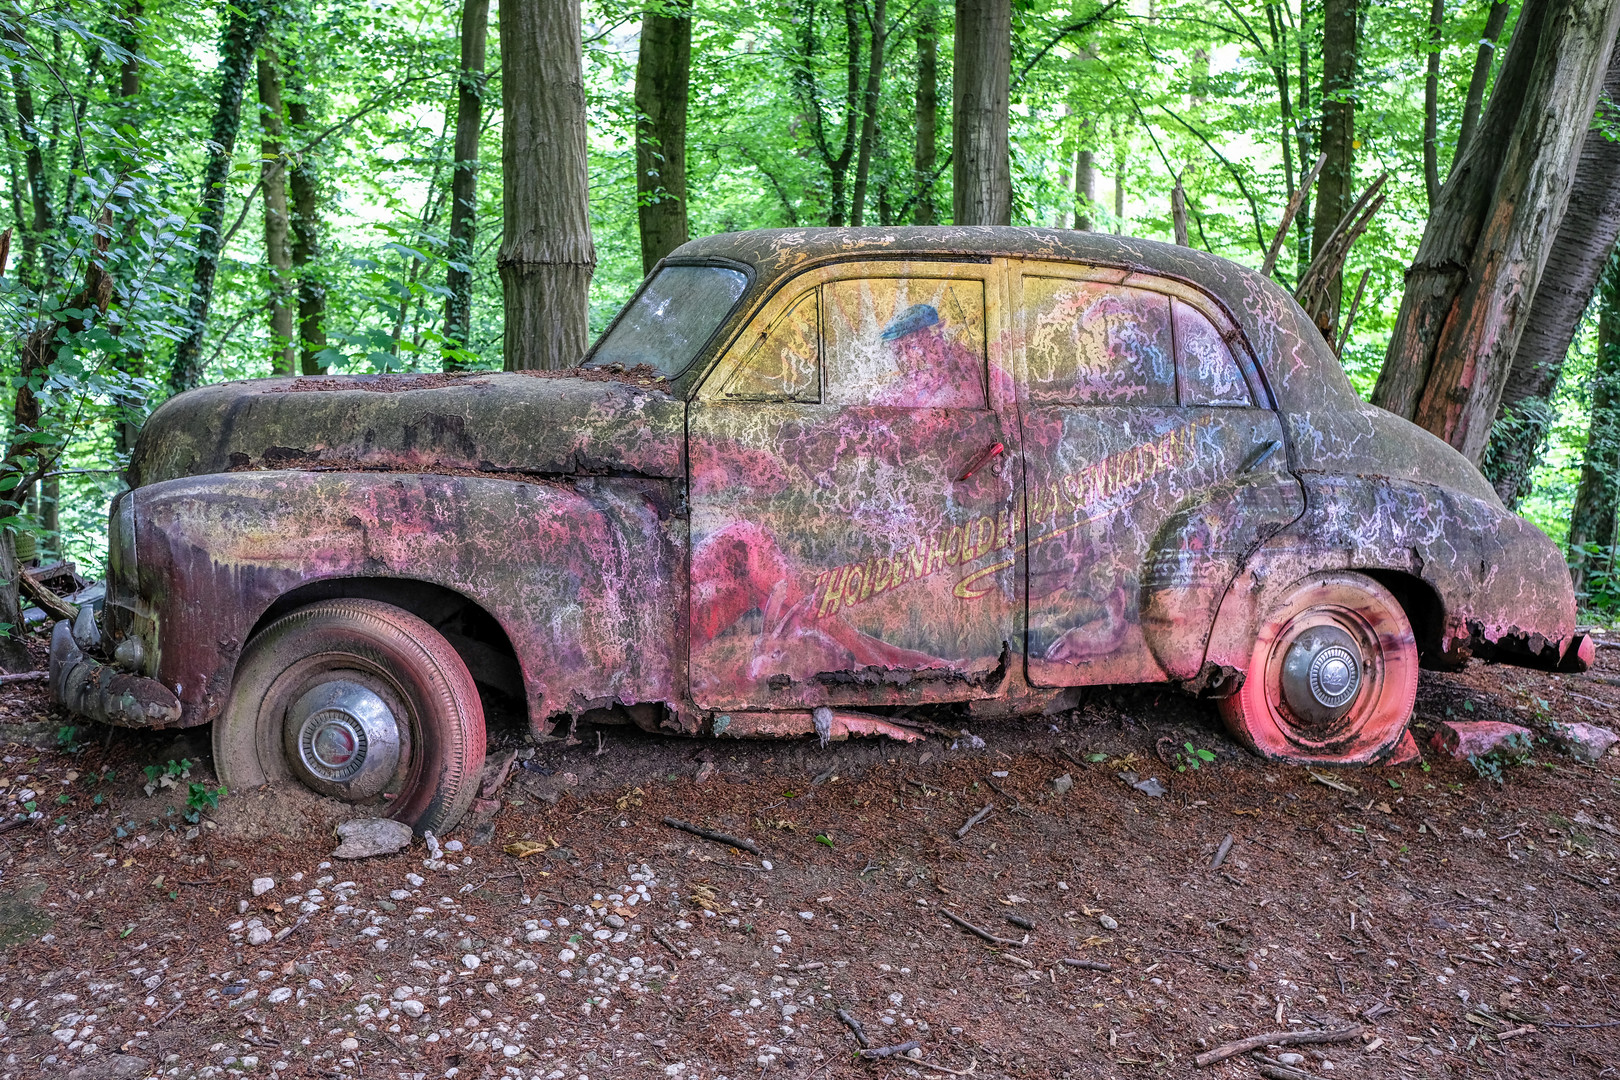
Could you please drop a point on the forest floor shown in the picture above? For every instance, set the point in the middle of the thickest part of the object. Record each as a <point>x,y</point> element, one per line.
<point>1467,923</point>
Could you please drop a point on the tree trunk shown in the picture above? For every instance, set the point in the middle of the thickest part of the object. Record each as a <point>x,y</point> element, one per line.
<point>129,36</point>
<point>981,168</point>
<point>1085,190</point>
<point>663,74</point>
<point>1592,521</point>
<point>1494,21</point>
<point>1461,318</point>
<point>1120,151</point>
<point>1334,187</point>
<point>303,183</point>
<point>869,109</point>
<point>1178,212</point>
<point>1587,235</point>
<point>1431,106</point>
<point>925,154</point>
<point>464,179</point>
<point>244,30</point>
<point>546,255</point>
<point>1066,166</point>
<point>273,180</point>
<point>43,220</point>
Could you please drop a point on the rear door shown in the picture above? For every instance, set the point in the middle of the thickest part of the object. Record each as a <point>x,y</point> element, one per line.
<point>1134,405</point>
<point>854,494</point>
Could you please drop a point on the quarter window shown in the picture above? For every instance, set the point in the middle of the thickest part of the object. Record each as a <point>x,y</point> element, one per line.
<point>1209,375</point>
<point>905,342</point>
<point>1093,343</point>
<point>785,364</point>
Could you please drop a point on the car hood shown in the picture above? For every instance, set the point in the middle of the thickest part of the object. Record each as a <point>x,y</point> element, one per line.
<point>578,423</point>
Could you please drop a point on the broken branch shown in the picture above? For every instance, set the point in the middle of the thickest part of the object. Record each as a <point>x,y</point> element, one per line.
<point>1089,965</point>
<point>717,837</point>
<point>974,820</point>
<point>980,932</point>
<point>880,1052</point>
<point>1277,1038</point>
<point>25,676</point>
<point>1221,853</point>
<point>44,599</point>
<point>855,1026</point>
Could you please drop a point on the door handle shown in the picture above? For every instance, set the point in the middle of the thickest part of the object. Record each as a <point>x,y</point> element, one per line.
<point>978,462</point>
<point>1260,456</point>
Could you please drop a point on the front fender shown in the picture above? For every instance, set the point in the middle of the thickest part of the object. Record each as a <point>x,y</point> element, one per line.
<point>1503,588</point>
<point>587,579</point>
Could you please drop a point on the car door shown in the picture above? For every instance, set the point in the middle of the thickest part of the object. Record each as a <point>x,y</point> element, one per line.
<point>1134,406</point>
<point>853,494</point>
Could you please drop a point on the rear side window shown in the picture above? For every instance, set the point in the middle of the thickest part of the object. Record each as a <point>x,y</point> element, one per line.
<point>1209,375</point>
<point>1094,343</point>
<point>908,342</point>
<point>785,364</point>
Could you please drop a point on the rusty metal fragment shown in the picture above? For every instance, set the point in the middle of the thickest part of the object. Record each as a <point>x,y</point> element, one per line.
<point>105,694</point>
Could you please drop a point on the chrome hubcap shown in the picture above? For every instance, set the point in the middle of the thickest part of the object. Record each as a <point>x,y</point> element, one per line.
<point>343,740</point>
<point>1321,674</point>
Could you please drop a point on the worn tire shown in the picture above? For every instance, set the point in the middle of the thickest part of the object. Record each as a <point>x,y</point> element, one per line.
<point>1319,614</point>
<point>408,664</point>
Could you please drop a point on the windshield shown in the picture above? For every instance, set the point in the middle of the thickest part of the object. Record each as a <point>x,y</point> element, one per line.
<point>670,319</point>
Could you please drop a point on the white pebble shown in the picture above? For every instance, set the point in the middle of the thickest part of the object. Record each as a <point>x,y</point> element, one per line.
<point>470,962</point>
<point>452,845</point>
<point>259,935</point>
<point>262,885</point>
<point>412,1008</point>
<point>807,915</point>
<point>400,894</point>
<point>278,995</point>
<point>350,1044</point>
<point>416,880</point>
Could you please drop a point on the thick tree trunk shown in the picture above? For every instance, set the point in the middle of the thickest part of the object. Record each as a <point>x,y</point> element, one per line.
<point>1495,19</point>
<point>1587,235</point>
<point>869,109</point>
<point>1592,521</point>
<point>547,256</point>
<point>273,180</point>
<point>663,76</point>
<point>1431,105</point>
<point>1085,190</point>
<point>981,168</point>
<point>925,153</point>
<point>303,183</point>
<point>464,180</point>
<point>1335,186</point>
<point>244,30</point>
<point>1461,317</point>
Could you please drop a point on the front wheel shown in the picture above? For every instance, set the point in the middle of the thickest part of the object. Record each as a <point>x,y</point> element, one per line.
<point>1332,676</point>
<point>361,701</point>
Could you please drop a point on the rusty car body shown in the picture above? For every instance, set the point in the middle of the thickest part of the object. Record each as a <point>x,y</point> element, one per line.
<point>812,478</point>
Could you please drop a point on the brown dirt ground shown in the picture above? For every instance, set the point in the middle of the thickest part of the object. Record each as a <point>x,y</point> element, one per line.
<point>1469,924</point>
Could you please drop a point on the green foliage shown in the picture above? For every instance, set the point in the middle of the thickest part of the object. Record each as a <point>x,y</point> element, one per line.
<point>201,797</point>
<point>1192,757</point>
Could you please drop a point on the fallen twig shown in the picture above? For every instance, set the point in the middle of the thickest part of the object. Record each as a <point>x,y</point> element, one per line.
<point>25,676</point>
<point>973,1063</point>
<point>47,601</point>
<point>980,932</point>
<point>855,1026</point>
<point>17,823</point>
<point>1277,1038</point>
<point>1276,1070</point>
<point>880,1052</point>
<point>658,936</point>
<point>1089,965</point>
<point>1221,853</point>
<point>1336,785</point>
<point>717,837</point>
<point>974,820</point>
<point>166,1017</point>
<point>1021,922</point>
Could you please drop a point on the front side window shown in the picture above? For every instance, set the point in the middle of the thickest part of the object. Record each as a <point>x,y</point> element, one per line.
<point>1094,343</point>
<point>906,342</point>
<point>670,319</point>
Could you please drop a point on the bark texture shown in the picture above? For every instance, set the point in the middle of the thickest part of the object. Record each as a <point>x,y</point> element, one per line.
<point>303,182</point>
<point>1334,188</point>
<point>663,77</point>
<point>869,109</point>
<point>464,179</point>
<point>1495,19</point>
<point>1431,105</point>
<point>1471,286</point>
<point>244,31</point>
<point>925,152</point>
<point>1587,236</point>
<point>273,178</point>
<point>43,219</point>
<point>1592,521</point>
<point>981,168</point>
<point>547,256</point>
<point>1085,189</point>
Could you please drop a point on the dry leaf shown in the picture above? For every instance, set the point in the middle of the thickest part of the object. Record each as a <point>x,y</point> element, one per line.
<point>523,848</point>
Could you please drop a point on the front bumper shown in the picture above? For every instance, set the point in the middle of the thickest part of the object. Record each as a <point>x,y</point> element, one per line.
<point>104,694</point>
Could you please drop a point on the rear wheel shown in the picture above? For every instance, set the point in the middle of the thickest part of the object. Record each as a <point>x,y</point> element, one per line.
<point>361,701</point>
<point>1332,675</point>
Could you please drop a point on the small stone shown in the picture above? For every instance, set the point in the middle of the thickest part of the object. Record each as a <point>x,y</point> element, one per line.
<point>262,885</point>
<point>1291,1059</point>
<point>765,864</point>
<point>1108,922</point>
<point>412,1008</point>
<point>1150,787</point>
<point>250,1061</point>
<point>278,995</point>
<point>350,1044</point>
<point>116,1067</point>
<point>470,962</point>
<point>1063,784</point>
<point>416,881</point>
<point>614,921</point>
<point>452,845</point>
<point>259,935</point>
<point>1584,742</point>
<point>435,852</point>
<point>1464,739</point>
<point>363,838</point>
<point>400,894</point>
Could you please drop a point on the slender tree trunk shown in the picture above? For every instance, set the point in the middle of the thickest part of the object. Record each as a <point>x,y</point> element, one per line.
<point>869,109</point>
<point>1085,190</point>
<point>1121,149</point>
<point>1495,19</point>
<point>663,75</point>
<point>1335,186</point>
<point>981,167</point>
<point>1587,236</point>
<point>1460,319</point>
<point>1178,212</point>
<point>129,36</point>
<point>131,359</point>
<point>244,30</point>
<point>38,228</point>
<point>925,154</point>
<point>464,181</point>
<point>273,180</point>
<point>303,183</point>
<point>547,256</point>
<point>1431,105</point>
<point>1066,167</point>
<point>1592,521</point>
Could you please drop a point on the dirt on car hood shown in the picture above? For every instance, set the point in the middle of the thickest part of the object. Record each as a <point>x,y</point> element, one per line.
<point>564,424</point>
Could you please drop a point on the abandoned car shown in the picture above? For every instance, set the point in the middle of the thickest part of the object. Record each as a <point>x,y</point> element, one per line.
<point>809,481</point>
